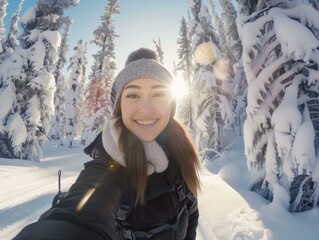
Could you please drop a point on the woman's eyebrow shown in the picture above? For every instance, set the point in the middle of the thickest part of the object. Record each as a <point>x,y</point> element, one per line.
<point>132,86</point>
<point>160,86</point>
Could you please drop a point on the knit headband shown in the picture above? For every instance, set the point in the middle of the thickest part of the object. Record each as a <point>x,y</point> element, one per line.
<point>140,68</point>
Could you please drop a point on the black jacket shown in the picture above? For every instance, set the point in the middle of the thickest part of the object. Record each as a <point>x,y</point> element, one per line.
<point>89,209</point>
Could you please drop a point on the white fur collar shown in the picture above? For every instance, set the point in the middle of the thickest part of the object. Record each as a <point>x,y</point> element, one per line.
<point>156,157</point>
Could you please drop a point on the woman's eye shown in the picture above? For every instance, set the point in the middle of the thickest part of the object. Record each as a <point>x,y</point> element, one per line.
<point>161,94</point>
<point>132,95</point>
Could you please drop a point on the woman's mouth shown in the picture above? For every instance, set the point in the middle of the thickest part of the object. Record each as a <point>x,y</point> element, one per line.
<point>146,122</point>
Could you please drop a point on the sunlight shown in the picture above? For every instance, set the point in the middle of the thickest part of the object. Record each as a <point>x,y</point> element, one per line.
<point>179,88</point>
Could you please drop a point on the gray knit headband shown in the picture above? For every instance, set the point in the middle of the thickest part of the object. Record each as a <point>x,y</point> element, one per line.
<point>141,68</point>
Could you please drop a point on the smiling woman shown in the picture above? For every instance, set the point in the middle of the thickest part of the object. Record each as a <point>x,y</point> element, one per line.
<point>151,194</point>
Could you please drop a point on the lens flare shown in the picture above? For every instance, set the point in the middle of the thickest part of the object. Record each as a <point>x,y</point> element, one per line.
<point>220,70</point>
<point>205,53</point>
<point>85,198</point>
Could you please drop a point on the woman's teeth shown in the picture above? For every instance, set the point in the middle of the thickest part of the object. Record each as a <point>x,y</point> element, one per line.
<point>146,122</point>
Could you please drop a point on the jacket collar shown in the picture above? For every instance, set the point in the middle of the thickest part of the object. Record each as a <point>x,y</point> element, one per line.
<point>156,157</point>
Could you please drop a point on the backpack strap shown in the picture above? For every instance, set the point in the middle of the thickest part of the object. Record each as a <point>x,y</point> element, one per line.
<point>133,235</point>
<point>127,206</point>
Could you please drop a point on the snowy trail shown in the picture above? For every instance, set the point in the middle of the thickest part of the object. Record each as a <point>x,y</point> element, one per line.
<point>33,186</point>
<point>228,210</point>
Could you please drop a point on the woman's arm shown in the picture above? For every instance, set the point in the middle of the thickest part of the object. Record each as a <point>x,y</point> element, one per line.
<point>87,211</point>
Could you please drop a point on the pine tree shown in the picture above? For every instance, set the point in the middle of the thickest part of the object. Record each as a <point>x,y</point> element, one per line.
<point>57,131</point>
<point>11,137</point>
<point>102,71</point>
<point>282,128</point>
<point>315,4</point>
<point>3,12</point>
<point>235,85</point>
<point>82,116</point>
<point>95,103</point>
<point>229,16</point>
<point>206,87</point>
<point>10,42</point>
<point>219,26</point>
<point>247,7</point>
<point>186,66</point>
<point>73,95</point>
<point>29,70</point>
<point>159,50</point>
<point>104,37</point>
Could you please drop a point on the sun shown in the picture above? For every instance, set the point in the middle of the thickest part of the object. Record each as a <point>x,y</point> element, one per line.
<point>179,88</point>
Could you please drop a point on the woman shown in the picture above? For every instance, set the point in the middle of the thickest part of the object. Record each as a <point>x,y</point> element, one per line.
<point>143,180</point>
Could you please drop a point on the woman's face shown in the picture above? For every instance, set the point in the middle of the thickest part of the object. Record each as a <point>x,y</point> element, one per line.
<point>146,106</point>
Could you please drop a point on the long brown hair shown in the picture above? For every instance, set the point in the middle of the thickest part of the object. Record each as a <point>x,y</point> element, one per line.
<point>178,142</point>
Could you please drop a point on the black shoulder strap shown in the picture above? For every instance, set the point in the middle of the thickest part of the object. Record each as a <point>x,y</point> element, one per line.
<point>127,201</point>
<point>126,204</point>
<point>125,209</point>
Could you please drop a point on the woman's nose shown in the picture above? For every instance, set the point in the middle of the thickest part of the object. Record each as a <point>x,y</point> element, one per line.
<point>146,105</point>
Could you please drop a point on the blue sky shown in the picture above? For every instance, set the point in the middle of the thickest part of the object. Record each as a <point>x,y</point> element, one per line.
<point>139,23</point>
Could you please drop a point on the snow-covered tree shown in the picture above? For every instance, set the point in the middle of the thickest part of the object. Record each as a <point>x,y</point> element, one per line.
<point>73,94</point>
<point>240,94</point>
<point>280,57</point>
<point>104,37</point>
<point>315,4</point>
<point>220,28</point>
<point>247,7</point>
<point>229,15</point>
<point>235,84</point>
<point>27,122</point>
<point>95,108</point>
<point>82,116</point>
<point>3,12</point>
<point>186,67</point>
<point>210,112</point>
<point>12,127</point>
<point>200,27</point>
<point>159,50</point>
<point>57,131</point>
<point>10,42</point>
<point>102,71</point>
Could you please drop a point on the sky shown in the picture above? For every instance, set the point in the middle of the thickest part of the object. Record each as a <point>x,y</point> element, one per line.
<point>139,23</point>
<point>228,209</point>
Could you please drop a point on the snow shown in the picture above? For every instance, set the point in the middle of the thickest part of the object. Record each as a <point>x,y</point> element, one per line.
<point>29,15</point>
<point>52,37</point>
<point>7,99</point>
<point>313,76</point>
<point>17,129</point>
<point>33,113</point>
<point>303,152</point>
<point>228,210</point>
<point>34,35</point>
<point>286,128</point>
<point>298,46</point>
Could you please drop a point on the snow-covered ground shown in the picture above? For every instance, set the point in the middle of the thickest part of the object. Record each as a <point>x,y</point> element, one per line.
<point>227,209</point>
